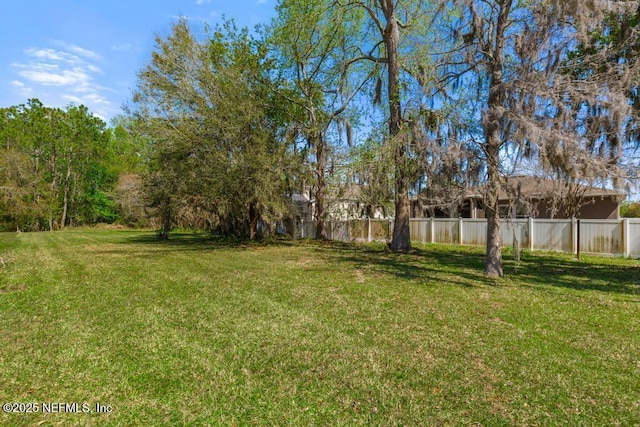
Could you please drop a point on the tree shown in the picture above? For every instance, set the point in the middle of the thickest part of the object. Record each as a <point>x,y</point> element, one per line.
<point>130,164</point>
<point>86,178</point>
<point>30,133</point>
<point>448,161</point>
<point>371,166</point>
<point>313,57</point>
<point>219,154</point>
<point>630,210</point>
<point>382,44</point>
<point>383,14</point>
<point>516,53</point>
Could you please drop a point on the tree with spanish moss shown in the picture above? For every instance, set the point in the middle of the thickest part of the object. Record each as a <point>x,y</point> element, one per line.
<point>517,53</point>
<point>313,58</point>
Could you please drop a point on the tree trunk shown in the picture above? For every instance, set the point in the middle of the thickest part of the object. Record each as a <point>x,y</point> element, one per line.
<point>493,259</point>
<point>320,206</point>
<point>53,198</point>
<point>65,196</point>
<point>253,220</point>
<point>165,213</point>
<point>401,240</point>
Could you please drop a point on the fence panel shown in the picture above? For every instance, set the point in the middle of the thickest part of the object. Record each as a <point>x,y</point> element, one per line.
<point>518,228</point>
<point>604,237</point>
<point>553,235</point>
<point>615,237</point>
<point>339,230</point>
<point>446,231</point>
<point>474,232</point>
<point>380,229</point>
<point>306,229</point>
<point>358,230</point>
<point>633,234</point>
<point>420,230</point>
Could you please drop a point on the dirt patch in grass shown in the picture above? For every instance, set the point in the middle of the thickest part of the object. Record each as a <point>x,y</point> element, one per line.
<point>13,288</point>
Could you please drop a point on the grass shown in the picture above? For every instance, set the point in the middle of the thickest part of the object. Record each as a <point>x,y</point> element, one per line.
<point>201,332</point>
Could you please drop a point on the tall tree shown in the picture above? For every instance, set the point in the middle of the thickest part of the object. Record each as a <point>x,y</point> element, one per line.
<point>382,44</point>
<point>313,57</point>
<point>516,53</point>
<point>219,155</point>
<point>85,180</point>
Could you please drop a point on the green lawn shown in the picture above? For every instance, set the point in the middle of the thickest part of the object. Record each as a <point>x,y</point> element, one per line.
<point>200,332</point>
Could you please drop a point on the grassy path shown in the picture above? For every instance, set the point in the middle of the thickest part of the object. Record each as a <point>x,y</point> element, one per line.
<point>198,332</point>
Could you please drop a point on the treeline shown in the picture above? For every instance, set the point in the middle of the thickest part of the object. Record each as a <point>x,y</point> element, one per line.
<point>630,210</point>
<point>60,167</point>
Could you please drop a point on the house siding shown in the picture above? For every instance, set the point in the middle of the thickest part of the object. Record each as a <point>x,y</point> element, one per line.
<point>595,208</point>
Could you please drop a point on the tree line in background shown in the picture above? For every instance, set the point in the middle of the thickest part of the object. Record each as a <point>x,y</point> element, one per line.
<point>58,167</point>
<point>393,97</point>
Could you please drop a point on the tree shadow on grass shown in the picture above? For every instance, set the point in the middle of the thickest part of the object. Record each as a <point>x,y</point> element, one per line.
<point>147,245</point>
<point>433,264</point>
<point>420,265</point>
<point>599,274</point>
<point>191,241</point>
<point>464,265</point>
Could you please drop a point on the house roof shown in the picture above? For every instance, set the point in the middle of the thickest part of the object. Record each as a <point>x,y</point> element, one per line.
<point>532,187</point>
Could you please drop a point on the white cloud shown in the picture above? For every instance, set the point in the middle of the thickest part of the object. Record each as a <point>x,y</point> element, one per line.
<point>64,72</point>
<point>45,54</point>
<point>122,47</point>
<point>94,69</point>
<point>95,98</point>
<point>86,53</point>
<point>72,98</point>
<point>77,77</point>
<point>22,89</point>
<point>35,65</point>
<point>70,47</point>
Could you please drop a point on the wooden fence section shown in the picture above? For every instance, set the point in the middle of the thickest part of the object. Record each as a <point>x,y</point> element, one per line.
<point>611,237</point>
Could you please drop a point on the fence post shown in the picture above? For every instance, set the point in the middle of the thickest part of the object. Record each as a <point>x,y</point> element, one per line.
<point>460,230</point>
<point>424,231</point>
<point>573,236</point>
<point>432,237</point>
<point>576,238</point>
<point>531,233</point>
<point>369,238</point>
<point>626,240</point>
<point>302,228</point>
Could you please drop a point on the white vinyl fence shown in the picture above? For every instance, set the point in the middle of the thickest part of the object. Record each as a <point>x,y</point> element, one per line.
<point>611,237</point>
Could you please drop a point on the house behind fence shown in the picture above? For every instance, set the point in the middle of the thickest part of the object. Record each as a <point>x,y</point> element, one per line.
<point>609,237</point>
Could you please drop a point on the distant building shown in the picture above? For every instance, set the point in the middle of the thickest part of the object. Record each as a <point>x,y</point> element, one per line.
<point>527,196</point>
<point>304,205</point>
<point>345,202</point>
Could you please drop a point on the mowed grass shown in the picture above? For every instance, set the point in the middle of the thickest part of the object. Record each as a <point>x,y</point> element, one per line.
<point>201,332</point>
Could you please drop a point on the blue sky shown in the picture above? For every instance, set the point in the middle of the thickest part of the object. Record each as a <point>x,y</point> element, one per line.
<point>89,51</point>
